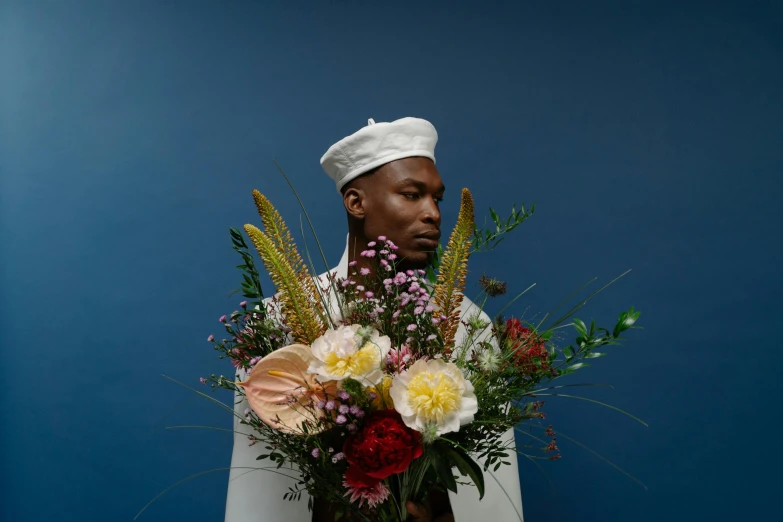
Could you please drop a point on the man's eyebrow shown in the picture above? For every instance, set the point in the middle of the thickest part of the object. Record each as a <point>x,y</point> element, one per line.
<point>418,184</point>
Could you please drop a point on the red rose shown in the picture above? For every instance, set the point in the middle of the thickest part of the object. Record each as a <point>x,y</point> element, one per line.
<point>385,446</point>
<point>526,344</point>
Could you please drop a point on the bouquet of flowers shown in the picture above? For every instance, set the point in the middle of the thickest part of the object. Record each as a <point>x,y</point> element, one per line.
<point>382,386</point>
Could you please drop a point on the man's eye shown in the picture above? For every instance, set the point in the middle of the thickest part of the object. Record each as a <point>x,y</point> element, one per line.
<point>411,195</point>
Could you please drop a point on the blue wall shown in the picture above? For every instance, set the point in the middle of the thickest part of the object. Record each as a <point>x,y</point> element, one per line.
<point>131,135</point>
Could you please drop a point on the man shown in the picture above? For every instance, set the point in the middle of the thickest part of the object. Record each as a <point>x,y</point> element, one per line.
<point>390,187</point>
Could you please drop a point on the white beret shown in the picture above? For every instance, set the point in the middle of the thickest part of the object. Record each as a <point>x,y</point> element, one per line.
<point>378,144</point>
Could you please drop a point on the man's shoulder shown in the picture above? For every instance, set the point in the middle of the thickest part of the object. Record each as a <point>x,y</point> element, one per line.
<point>468,308</point>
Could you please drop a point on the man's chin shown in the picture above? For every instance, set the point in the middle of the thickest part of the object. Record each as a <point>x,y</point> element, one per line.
<point>414,260</point>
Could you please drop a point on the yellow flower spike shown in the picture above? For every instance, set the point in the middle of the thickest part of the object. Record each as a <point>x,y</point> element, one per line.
<point>296,305</point>
<point>277,231</point>
<point>453,271</point>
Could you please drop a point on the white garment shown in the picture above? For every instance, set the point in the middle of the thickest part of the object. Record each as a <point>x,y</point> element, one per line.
<point>256,495</point>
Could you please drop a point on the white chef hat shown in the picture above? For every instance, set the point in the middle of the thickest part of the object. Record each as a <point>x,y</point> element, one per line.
<point>378,144</point>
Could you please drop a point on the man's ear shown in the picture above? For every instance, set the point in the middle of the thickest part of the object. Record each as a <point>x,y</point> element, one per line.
<point>354,202</point>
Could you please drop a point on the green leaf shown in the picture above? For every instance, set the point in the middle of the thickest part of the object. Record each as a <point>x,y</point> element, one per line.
<point>568,352</point>
<point>467,467</point>
<point>580,327</point>
<point>443,468</point>
<point>577,366</point>
<point>593,355</point>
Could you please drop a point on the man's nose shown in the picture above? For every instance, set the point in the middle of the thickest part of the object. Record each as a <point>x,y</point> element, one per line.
<point>431,212</point>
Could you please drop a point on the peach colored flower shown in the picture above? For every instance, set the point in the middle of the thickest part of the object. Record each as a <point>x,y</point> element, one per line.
<point>283,393</point>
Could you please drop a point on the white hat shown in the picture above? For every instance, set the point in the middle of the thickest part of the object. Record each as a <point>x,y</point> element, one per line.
<point>377,144</point>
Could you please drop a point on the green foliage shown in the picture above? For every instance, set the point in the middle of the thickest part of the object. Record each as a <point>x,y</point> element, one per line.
<point>487,239</point>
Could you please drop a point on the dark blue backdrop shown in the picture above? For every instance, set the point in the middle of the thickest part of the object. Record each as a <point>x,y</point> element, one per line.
<point>131,135</point>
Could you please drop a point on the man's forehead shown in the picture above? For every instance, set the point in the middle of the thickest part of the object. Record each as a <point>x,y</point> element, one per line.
<point>420,172</point>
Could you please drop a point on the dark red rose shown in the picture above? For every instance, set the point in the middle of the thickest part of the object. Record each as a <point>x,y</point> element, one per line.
<point>384,447</point>
<point>526,344</point>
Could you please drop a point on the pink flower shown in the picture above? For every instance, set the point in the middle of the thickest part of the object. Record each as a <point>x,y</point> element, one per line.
<point>210,338</point>
<point>418,310</point>
<point>387,281</point>
<point>243,304</point>
<point>368,253</point>
<point>364,271</point>
<point>222,319</point>
<point>371,244</point>
<point>411,327</point>
<point>372,495</point>
<point>392,257</point>
<point>203,380</point>
<point>381,238</point>
<point>352,263</point>
<point>369,295</point>
<point>398,357</point>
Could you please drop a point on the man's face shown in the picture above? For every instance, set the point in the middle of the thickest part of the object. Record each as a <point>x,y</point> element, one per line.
<point>400,201</point>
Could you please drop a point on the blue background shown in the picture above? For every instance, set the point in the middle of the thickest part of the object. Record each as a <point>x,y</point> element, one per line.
<point>131,134</point>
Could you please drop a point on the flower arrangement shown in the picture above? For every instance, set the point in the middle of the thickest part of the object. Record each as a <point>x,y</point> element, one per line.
<point>379,385</point>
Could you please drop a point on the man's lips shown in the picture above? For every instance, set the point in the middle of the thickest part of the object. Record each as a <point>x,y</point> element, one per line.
<point>433,236</point>
<point>428,239</point>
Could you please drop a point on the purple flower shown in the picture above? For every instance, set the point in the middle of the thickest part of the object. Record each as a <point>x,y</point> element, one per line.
<point>341,419</point>
<point>352,263</point>
<point>410,273</point>
<point>203,380</point>
<point>344,408</point>
<point>352,428</point>
<point>422,272</point>
<point>371,244</point>
<point>392,257</point>
<point>210,338</point>
<point>429,308</point>
<point>338,456</point>
<point>383,263</point>
<point>411,327</point>
<point>368,253</point>
<point>432,337</point>
<point>381,238</point>
<point>369,295</point>
<point>443,317</point>
<point>387,281</point>
<point>330,405</point>
<point>346,283</point>
<point>418,310</point>
<point>344,395</point>
<point>243,304</point>
<point>414,287</point>
<point>364,271</point>
<point>320,405</point>
<point>222,319</point>
<point>355,409</point>
<point>435,321</point>
<point>379,310</point>
<point>315,453</point>
<point>396,314</point>
<point>360,414</point>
